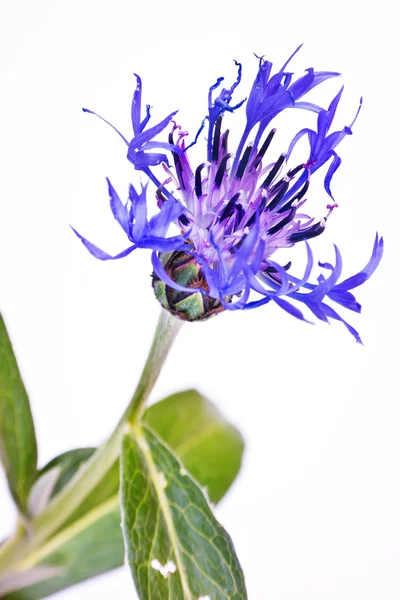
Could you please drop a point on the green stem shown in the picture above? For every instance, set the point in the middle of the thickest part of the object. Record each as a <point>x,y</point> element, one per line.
<point>86,479</point>
<point>11,545</point>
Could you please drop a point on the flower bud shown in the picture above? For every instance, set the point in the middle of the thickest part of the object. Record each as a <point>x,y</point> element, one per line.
<point>183,268</point>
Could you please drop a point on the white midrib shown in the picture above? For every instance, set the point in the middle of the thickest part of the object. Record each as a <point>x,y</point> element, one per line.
<point>154,475</point>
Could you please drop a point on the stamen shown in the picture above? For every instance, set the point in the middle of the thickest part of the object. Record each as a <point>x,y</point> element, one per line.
<point>264,148</point>
<point>217,133</point>
<point>160,195</point>
<point>296,200</point>
<point>272,269</point>
<point>302,192</point>
<point>221,170</point>
<point>282,223</point>
<point>243,162</point>
<point>197,179</point>
<point>229,208</point>
<point>177,162</point>
<point>263,202</point>
<point>275,201</point>
<point>224,141</point>
<point>274,171</point>
<point>184,220</point>
<point>309,233</point>
<point>294,171</point>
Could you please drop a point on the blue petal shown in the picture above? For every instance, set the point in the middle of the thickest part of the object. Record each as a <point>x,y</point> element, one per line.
<point>146,119</point>
<point>176,242</point>
<point>119,210</point>
<point>257,303</point>
<point>100,254</point>
<point>333,107</point>
<point>292,310</point>
<point>146,136</point>
<point>86,110</point>
<point>308,106</point>
<point>139,213</point>
<point>290,58</point>
<point>136,105</point>
<point>297,138</point>
<point>169,212</point>
<point>327,284</point>
<point>142,160</point>
<point>366,272</point>
<point>162,274</point>
<point>332,314</point>
<point>333,167</point>
<point>345,299</point>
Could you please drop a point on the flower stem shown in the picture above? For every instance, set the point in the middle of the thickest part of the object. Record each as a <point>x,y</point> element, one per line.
<point>9,547</point>
<point>86,479</point>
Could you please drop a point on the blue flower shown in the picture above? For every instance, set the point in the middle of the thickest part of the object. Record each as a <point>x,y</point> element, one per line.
<point>235,210</point>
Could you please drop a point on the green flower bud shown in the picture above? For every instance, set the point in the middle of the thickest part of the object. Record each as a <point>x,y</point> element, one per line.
<point>186,271</point>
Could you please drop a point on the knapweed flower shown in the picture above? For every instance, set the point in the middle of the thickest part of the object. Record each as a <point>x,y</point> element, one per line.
<point>233,211</point>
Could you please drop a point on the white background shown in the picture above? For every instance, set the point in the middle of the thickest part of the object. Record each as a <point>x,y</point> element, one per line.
<point>315,512</point>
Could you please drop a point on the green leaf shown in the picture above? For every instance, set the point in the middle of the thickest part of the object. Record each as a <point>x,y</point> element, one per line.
<point>65,466</point>
<point>90,546</point>
<point>68,464</point>
<point>210,448</point>
<point>18,448</point>
<point>176,548</point>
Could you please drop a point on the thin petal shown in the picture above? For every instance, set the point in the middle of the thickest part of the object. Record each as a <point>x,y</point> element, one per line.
<point>163,275</point>
<point>136,105</point>
<point>139,213</point>
<point>333,167</point>
<point>292,310</point>
<point>86,110</point>
<point>119,210</point>
<point>367,271</point>
<point>169,212</point>
<point>100,254</point>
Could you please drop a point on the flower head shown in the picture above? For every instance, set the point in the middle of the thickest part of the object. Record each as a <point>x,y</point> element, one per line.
<point>237,208</point>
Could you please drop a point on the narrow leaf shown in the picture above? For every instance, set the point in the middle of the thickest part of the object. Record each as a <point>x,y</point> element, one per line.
<point>18,449</point>
<point>176,548</point>
<point>89,547</point>
<point>209,447</point>
<point>66,465</point>
<point>17,581</point>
